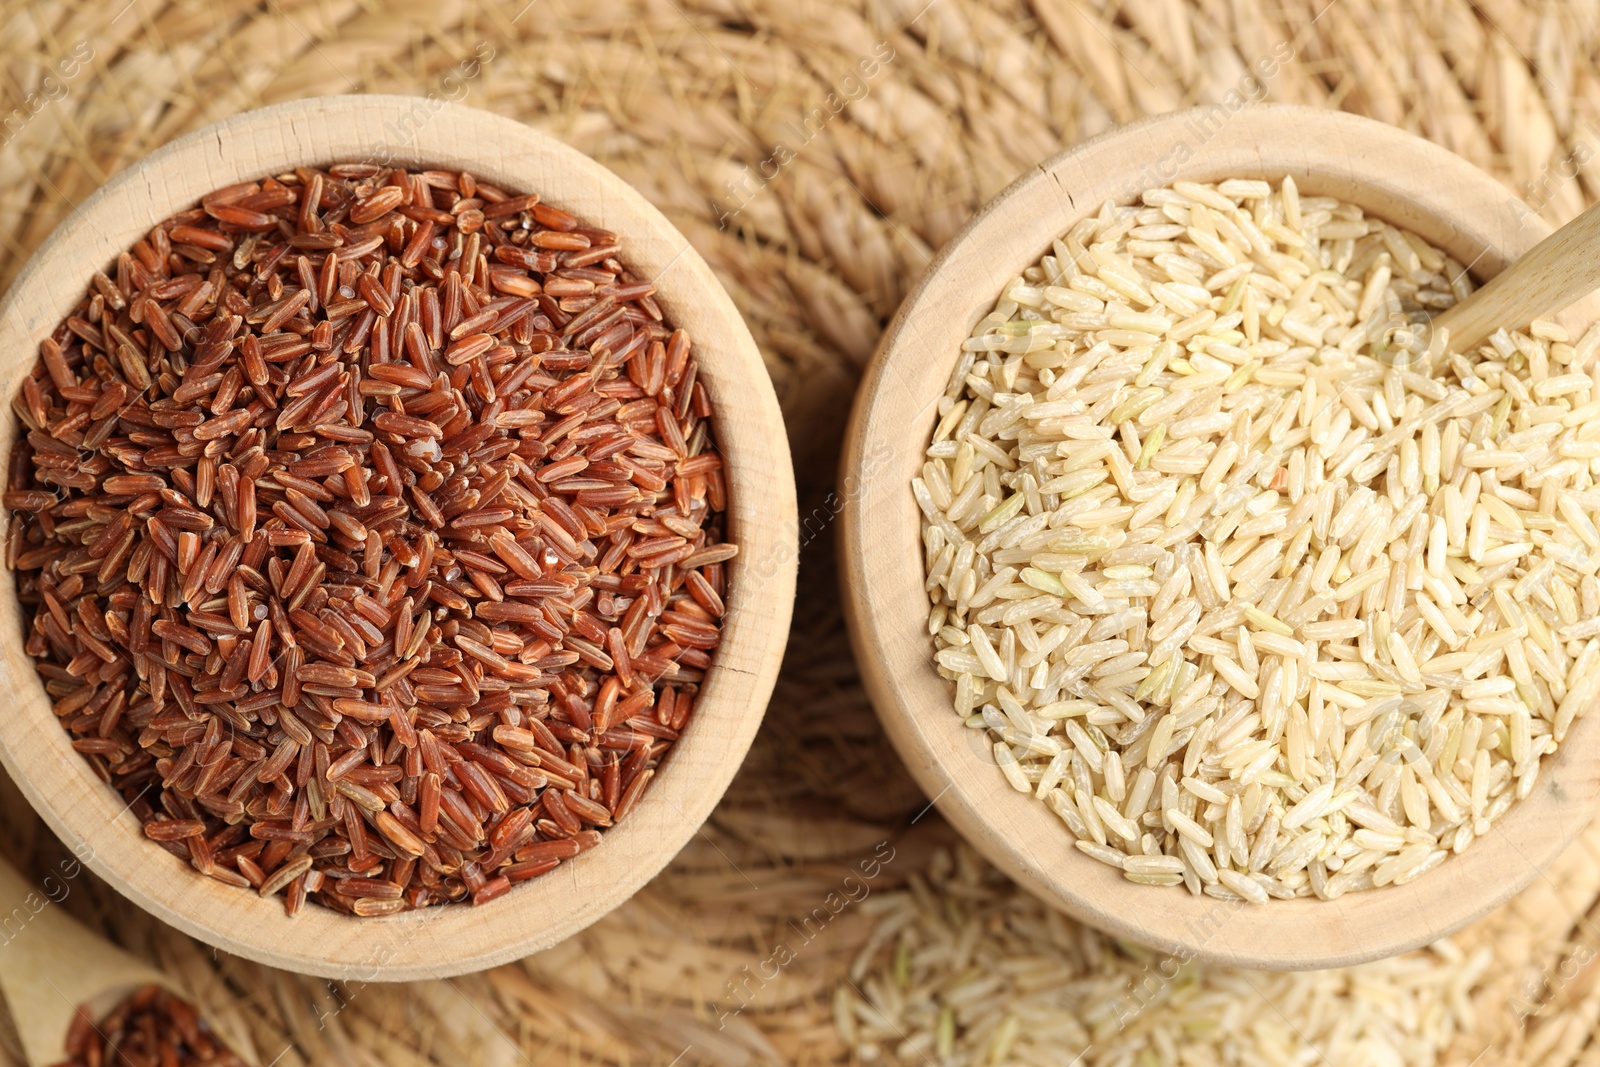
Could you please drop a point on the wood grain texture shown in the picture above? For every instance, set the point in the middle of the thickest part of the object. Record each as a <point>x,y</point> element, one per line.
<point>1554,273</point>
<point>1391,174</point>
<point>447,940</point>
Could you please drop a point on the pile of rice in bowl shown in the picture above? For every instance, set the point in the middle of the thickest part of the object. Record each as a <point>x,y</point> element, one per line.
<point>1261,588</point>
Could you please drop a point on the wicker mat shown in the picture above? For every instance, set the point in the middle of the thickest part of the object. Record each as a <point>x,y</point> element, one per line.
<point>897,121</point>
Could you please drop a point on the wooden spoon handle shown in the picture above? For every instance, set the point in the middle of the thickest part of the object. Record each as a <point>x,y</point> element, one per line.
<point>1556,272</point>
<point>50,964</point>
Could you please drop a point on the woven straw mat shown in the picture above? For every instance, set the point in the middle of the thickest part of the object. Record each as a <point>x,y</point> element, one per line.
<point>680,97</point>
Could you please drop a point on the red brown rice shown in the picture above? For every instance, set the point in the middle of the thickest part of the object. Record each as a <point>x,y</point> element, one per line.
<point>370,526</point>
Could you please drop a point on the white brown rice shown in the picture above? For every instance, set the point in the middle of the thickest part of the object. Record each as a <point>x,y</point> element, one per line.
<point>963,969</point>
<point>1259,587</point>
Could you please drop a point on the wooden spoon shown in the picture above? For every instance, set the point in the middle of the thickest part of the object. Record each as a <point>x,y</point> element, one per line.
<point>50,964</point>
<point>1551,275</point>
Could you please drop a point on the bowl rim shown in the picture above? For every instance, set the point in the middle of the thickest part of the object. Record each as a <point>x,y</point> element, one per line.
<point>1482,224</point>
<point>441,941</point>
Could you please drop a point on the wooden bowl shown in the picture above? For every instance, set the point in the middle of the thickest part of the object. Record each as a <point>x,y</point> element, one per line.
<point>452,939</point>
<point>1391,174</point>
